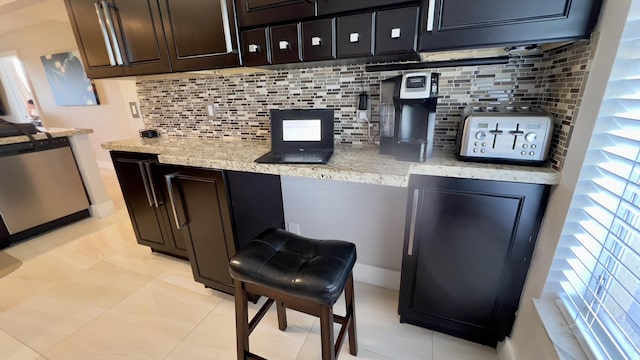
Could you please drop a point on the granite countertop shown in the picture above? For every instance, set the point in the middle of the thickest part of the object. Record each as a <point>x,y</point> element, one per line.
<point>352,164</point>
<point>55,132</point>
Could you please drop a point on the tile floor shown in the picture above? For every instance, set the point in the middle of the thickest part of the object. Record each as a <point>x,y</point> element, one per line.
<point>89,291</point>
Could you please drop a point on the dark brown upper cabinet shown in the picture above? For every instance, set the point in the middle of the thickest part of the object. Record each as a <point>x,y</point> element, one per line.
<point>262,12</point>
<point>318,40</point>
<point>354,37</point>
<point>396,31</point>
<point>285,46</point>
<point>339,6</point>
<point>201,34</point>
<point>119,37</point>
<point>458,24</point>
<point>255,47</point>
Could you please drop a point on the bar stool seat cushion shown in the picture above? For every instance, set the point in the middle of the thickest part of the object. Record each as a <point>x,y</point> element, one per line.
<point>312,269</point>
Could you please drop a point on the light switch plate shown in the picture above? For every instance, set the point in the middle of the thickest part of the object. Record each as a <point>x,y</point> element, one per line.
<point>135,113</point>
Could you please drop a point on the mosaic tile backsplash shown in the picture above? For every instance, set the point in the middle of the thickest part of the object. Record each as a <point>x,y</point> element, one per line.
<point>176,105</point>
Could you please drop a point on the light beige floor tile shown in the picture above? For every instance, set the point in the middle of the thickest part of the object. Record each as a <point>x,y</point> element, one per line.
<point>146,325</point>
<point>379,329</point>
<point>447,347</point>
<point>180,274</point>
<point>12,349</point>
<point>311,350</point>
<point>47,319</point>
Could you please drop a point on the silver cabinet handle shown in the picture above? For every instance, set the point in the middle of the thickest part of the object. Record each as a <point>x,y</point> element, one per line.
<point>395,33</point>
<point>226,26</point>
<point>105,36</point>
<point>147,166</point>
<point>354,37</point>
<point>316,41</point>
<point>253,48</point>
<point>145,181</point>
<point>172,199</point>
<point>414,214</point>
<point>431,14</point>
<point>112,31</point>
<point>283,45</point>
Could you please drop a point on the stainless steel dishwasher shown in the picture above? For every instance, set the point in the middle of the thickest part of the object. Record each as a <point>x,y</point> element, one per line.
<point>40,188</point>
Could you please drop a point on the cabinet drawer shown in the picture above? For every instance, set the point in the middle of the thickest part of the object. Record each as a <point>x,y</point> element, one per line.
<point>254,47</point>
<point>396,31</point>
<point>318,40</point>
<point>284,44</point>
<point>354,36</point>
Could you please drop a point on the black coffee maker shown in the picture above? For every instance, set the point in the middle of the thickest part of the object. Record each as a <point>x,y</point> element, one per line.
<point>408,115</point>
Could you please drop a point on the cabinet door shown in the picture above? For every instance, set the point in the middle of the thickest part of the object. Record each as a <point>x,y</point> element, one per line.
<point>318,40</point>
<point>255,49</point>
<point>85,18</point>
<point>146,218</point>
<point>201,34</point>
<point>158,185</point>
<point>396,31</point>
<point>354,36</point>
<point>119,37</point>
<point>284,44</point>
<point>450,24</point>
<point>202,211</point>
<point>262,12</point>
<point>467,250</point>
<point>338,6</point>
<point>141,38</point>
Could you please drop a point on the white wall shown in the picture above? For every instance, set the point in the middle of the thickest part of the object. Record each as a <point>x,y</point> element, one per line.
<point>529,341</point>
<point>111,120</point>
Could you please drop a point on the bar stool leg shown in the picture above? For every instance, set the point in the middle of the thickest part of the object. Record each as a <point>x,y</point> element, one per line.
<point>326,333</point>
<point>282,315</point>
<point>242,320</point>
<point>351,308</point>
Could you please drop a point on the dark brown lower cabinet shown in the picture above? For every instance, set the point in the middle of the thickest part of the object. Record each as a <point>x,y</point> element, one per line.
<point>468,245</point>
<point>217,212</point>
<point>203,215</point>
<point>141,180</point>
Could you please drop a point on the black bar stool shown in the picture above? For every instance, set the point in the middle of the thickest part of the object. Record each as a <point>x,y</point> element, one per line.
<point>298,273</point>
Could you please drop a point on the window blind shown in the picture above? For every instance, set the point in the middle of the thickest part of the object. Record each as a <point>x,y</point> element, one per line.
<point>596,271</point>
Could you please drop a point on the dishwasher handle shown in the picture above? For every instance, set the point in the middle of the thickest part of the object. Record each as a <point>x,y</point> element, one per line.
<point>175,199</point>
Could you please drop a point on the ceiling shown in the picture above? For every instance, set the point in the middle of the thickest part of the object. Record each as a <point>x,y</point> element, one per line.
<point>19,14</point>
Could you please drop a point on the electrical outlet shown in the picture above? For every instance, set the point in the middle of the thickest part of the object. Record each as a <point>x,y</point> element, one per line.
<point>212,110</point>
<point>363,115</point>
<point>294,228</point>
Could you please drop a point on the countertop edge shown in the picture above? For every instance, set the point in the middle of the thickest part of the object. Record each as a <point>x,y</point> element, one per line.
<point>347,164</point>
<point>54,132</point>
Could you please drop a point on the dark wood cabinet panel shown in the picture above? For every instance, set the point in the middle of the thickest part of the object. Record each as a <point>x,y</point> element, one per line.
<point>201,34</point>
<point>338,6</point>
<point>396,31</point>
<point>318,40</point>
<point>285,47</point>
<point>201,207</point>
<point>130,30</point>
<point>451,24</point>
<point>255,47</point>
<point>141,189</point>
<point>354,37</point>
<point>468,244</point>
<point>263,12</point>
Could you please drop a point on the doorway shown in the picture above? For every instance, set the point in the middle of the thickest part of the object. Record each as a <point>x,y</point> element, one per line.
<point>16,97</point>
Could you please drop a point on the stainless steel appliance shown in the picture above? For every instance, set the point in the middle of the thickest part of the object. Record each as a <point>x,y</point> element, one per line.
<point>504,134</point>
<point>407,115</point>
<point>40,188</point>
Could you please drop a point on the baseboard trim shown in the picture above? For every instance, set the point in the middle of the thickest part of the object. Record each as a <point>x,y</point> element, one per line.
<point>505,350</point>
<point>102,210</point>
<point>377,276</point>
